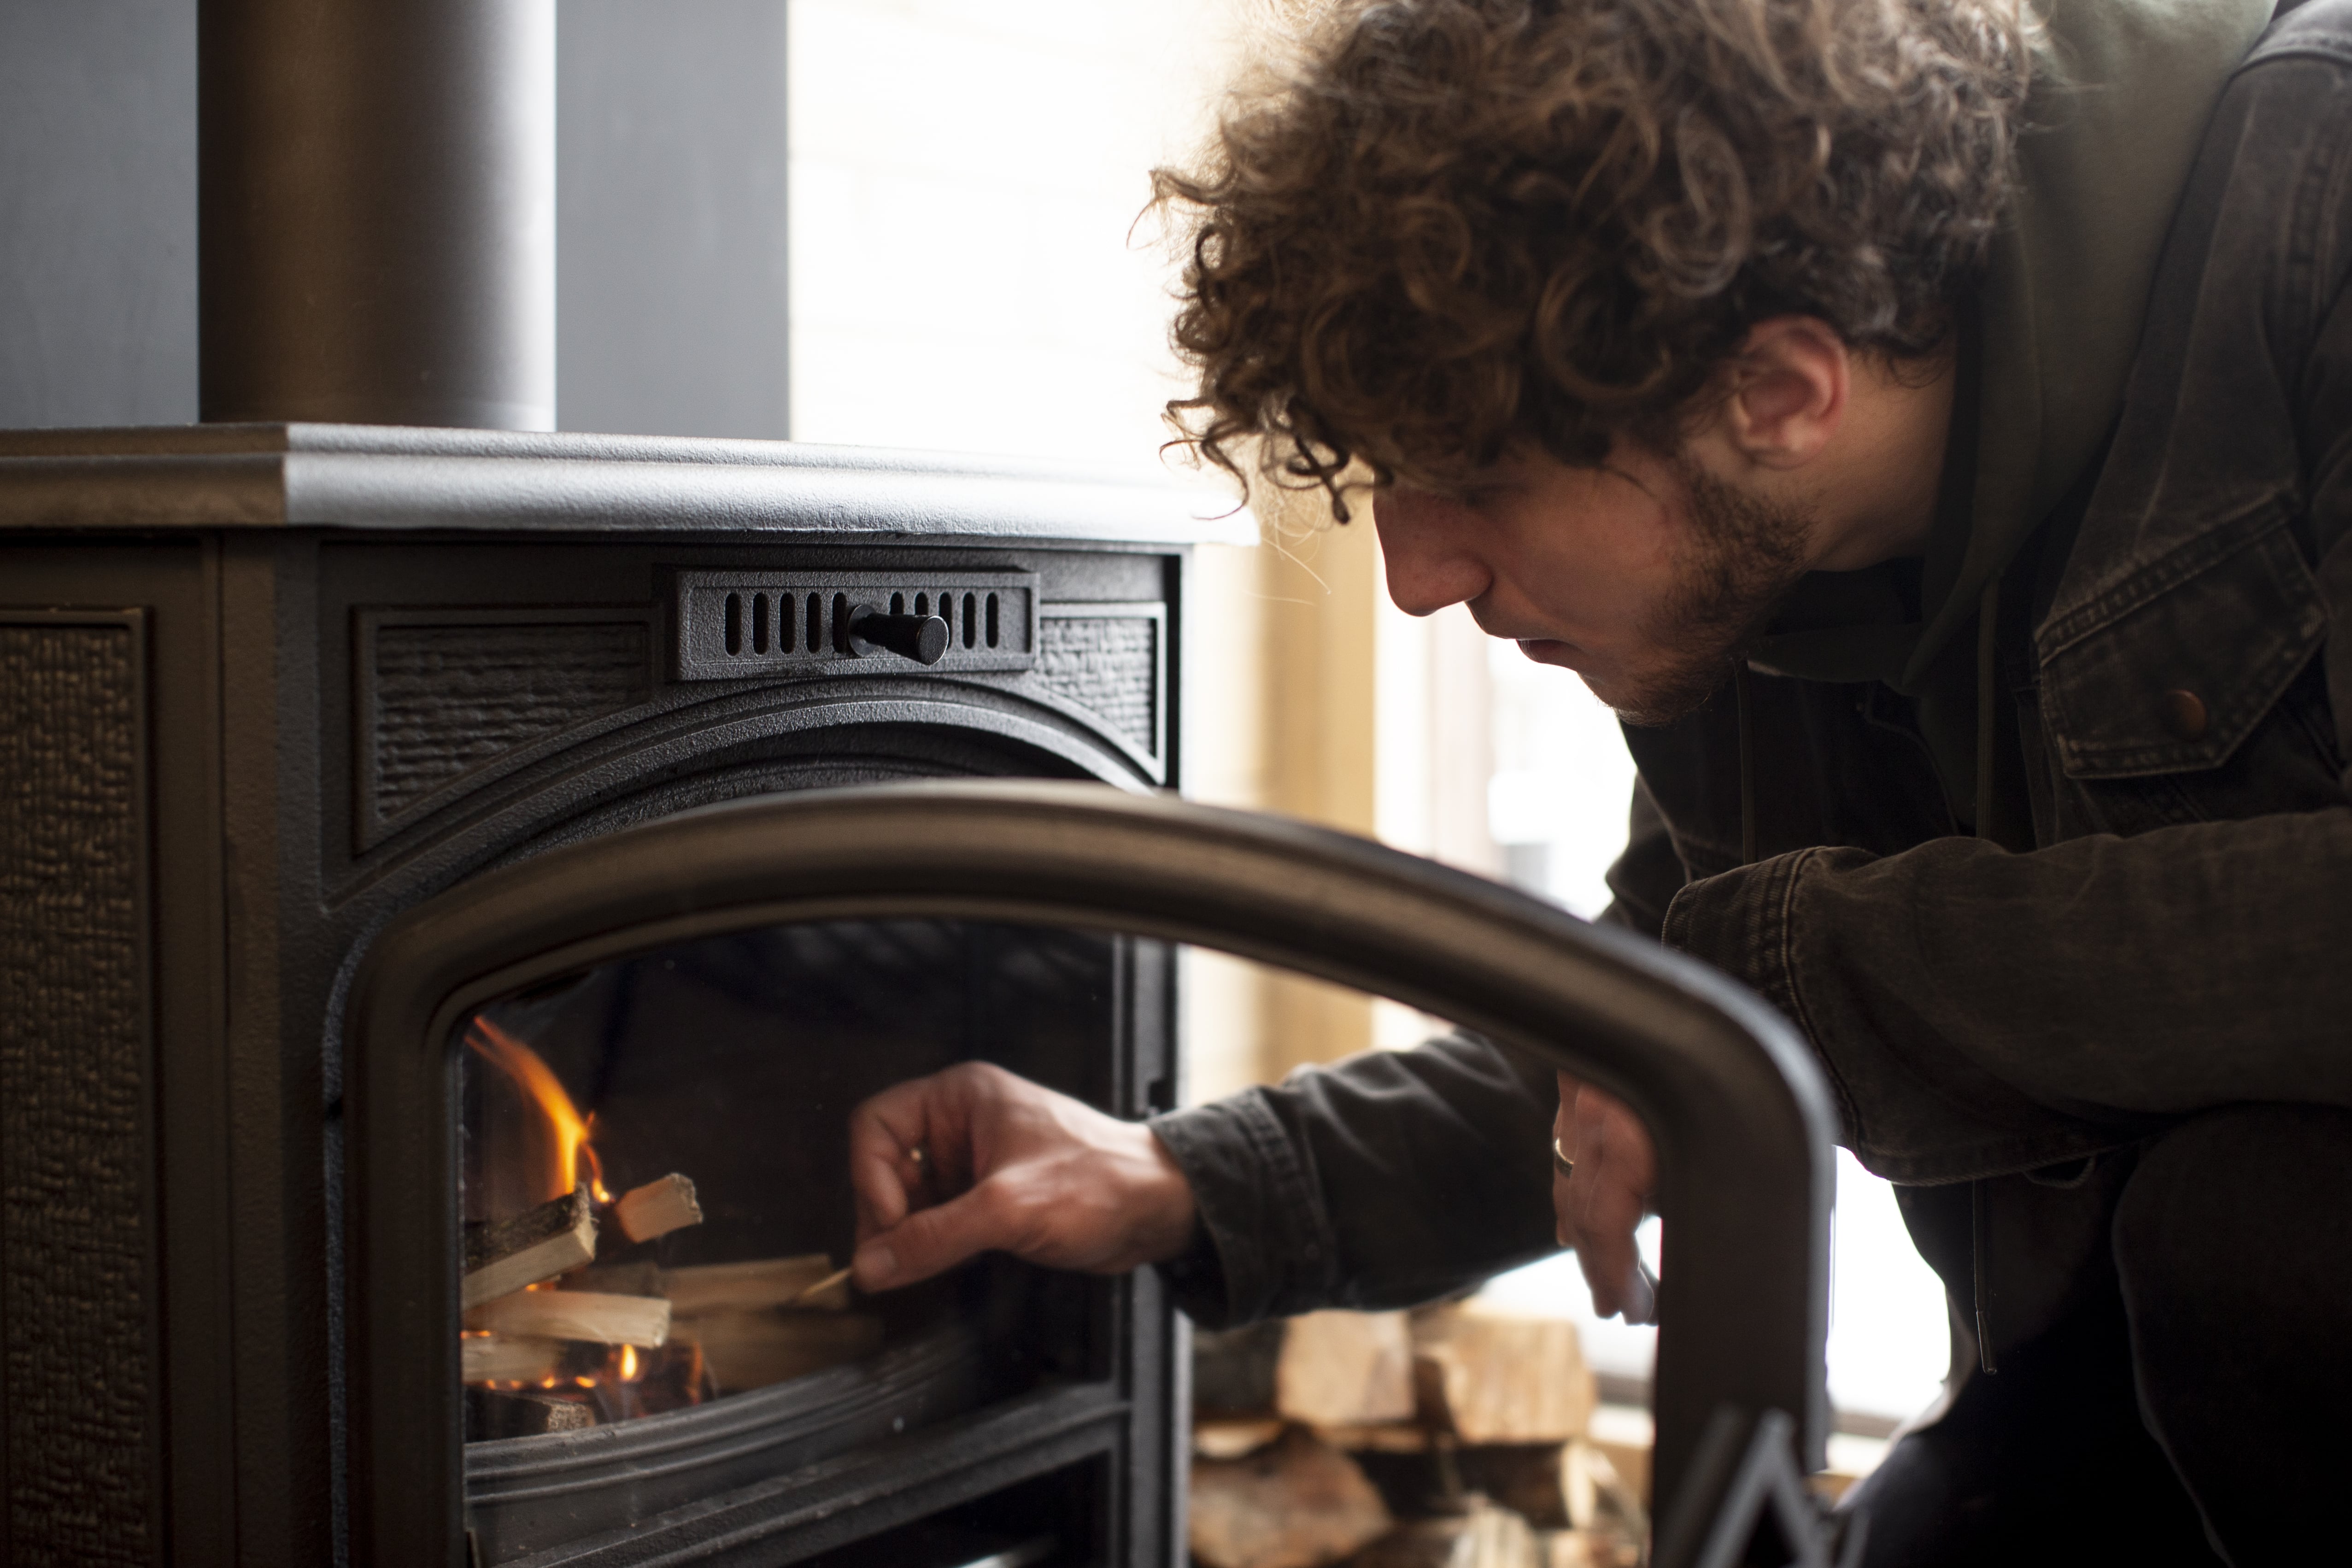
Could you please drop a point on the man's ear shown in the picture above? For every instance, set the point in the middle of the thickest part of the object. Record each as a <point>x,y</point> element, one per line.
<point>1786,391</point>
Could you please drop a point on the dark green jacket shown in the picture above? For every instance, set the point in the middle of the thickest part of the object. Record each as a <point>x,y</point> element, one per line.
<point>2036,893</point>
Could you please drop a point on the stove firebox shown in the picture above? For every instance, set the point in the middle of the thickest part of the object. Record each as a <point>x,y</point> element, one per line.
<point>264,688</point>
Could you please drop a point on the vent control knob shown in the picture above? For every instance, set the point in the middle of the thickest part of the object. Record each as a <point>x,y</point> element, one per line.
<point>923,638</point>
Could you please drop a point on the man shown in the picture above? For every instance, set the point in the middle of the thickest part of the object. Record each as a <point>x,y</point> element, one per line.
<point>1931,429</point>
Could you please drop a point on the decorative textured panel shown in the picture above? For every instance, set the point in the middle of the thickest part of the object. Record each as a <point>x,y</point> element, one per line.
<point>74,1376</point>
<point>444,699</point>
<point>1108,664</point>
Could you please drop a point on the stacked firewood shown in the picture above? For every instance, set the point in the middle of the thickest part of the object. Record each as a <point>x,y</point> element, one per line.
<point>557,1338</point>
<point>1455,1437</point>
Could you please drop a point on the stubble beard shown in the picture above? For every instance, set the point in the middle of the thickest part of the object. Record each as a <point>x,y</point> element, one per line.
<point>1743,555</point>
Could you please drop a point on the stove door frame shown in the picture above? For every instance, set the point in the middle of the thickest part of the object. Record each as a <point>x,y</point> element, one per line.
<point>1741,1114</point>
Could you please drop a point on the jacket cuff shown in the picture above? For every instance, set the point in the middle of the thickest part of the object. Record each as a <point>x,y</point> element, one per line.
<point>1264,1245</point>
<point>1740,921</point>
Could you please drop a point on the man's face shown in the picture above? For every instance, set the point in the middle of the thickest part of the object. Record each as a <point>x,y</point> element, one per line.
<point>1644,576</point>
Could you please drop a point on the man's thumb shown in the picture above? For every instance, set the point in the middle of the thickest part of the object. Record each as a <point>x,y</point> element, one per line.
<point>929,1241</point>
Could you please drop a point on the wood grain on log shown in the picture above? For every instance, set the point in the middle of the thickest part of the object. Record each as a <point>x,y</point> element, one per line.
<point>1297,1504</point>
<point>1345,1369</point>
<point>502,1256</point>
<point>591,1315</point>
<point>505,1358</point>
<point>1492,1376</point>
<point>755,1282</point>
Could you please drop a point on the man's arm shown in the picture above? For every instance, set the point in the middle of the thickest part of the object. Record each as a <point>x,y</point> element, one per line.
<point>1384,1180</point>
<point>1381,1180</point>
<point>1981,1011</point>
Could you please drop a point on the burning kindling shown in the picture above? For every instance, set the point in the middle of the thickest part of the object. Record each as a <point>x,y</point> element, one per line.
<point>555,1340</point>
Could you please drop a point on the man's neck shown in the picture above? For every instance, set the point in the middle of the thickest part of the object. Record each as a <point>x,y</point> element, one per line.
<point>1877,481</point>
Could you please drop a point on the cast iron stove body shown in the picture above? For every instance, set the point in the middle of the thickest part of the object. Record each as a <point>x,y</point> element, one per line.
<point>262,688</point>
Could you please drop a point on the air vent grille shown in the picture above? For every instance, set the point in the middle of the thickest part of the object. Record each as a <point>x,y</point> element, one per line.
<point>734,624</point>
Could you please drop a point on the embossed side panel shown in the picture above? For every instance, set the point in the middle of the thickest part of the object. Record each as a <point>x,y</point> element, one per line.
<point>1107,658</point>
<point>442,694</point>
<point>75,1401</point>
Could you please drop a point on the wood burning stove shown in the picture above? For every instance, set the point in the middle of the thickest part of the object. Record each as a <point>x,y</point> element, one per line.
<point>270,687</point>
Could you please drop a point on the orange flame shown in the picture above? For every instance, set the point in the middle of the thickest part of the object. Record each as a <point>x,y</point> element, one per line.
<point>628,1363</point>
<point>524,1065</point>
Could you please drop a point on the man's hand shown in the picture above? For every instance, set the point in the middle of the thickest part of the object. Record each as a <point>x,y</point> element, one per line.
<point>1597,1207</point>
<point>975,1159</point>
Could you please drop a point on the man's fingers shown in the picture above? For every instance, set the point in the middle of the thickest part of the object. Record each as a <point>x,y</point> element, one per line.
<point>930,1241</point>
<point>885,1174</point>
<point>1608,1196</point>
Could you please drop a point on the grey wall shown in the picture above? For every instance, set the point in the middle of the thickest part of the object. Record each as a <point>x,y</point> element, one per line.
<point>97,212</point>
<point>670,169</point>
<point>671,307</point>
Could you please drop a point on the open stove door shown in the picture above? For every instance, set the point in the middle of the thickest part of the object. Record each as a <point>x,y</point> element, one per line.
<point>1740,1112</point>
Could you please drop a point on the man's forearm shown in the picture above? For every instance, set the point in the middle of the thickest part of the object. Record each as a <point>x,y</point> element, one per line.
<point>1981,1011</point>
<point>1381,1180</point>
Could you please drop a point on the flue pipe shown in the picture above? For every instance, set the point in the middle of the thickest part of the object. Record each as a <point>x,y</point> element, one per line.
<point>378,211</point>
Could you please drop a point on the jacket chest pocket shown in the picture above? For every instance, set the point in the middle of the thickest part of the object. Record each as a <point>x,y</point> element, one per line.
<point>2152,687</point>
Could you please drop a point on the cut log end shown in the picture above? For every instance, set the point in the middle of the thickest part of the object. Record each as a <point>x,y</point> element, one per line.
<point>1295,1504</point>
<point>1490,1376</point>
<point>658,1208</point>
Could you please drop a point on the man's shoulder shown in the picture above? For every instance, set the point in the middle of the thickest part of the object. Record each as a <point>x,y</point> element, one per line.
<point>2315,29</point>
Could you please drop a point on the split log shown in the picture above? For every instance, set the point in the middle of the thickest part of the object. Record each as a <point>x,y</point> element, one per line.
<point>1234,1436</point>
<point>658,1208</point>
<point>503,1358</point>
<point>1232,1369</point>
<point>591,1315</point>
<point>752,1348</point>
<point>1492,1377</point>
<point>1345,1369</point>
<point>758,1282</point>
<point>504,1256</point>
<point>1297,1504</point>
<point>617,1278</point>
<point>1383,1437</point>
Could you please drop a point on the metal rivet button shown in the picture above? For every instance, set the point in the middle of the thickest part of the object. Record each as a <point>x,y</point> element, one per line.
<point>2184,714</point>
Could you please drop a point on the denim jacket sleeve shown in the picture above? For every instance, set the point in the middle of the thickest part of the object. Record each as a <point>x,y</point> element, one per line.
<point>1381,1180</point>
<point>2176,942</point>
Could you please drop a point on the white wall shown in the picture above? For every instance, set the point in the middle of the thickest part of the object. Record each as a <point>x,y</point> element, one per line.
<point>967,271</point>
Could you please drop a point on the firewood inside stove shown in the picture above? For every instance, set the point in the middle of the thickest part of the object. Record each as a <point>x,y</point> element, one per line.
<point>755,1282</point>
<point>492,1413</point>
<point>506,1358</point>
<point>658,1208</point>
<point>591,1315</point>
<point>504,1256</point>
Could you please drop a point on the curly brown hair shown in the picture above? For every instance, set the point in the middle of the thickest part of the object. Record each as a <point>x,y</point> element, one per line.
<point>1449,230</point>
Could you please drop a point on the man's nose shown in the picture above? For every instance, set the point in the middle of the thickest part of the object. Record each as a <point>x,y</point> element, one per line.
<point>1426,546</point>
